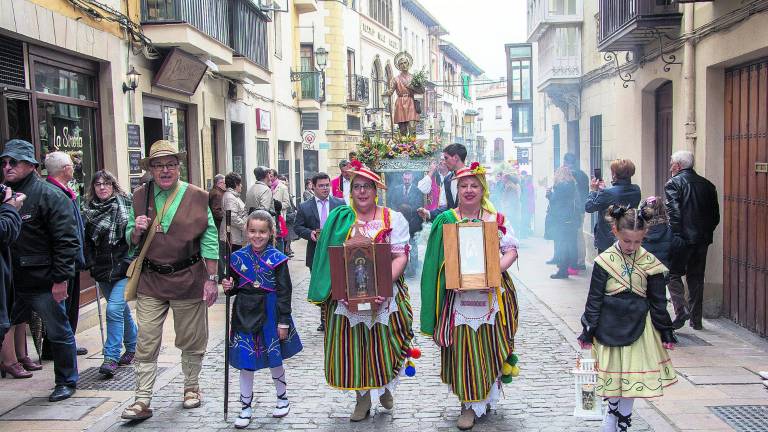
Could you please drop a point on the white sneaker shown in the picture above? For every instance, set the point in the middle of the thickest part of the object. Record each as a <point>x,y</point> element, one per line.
<point>763,375</point>
<point>282,408</point>
<point>244,419</point>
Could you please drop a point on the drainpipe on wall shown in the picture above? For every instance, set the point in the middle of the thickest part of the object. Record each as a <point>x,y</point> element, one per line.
<point>689,80</point>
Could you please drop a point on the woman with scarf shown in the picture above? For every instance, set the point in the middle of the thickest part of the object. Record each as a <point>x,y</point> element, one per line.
<point>474,329</point>
<point>105,212</point>
<point>365,351</point>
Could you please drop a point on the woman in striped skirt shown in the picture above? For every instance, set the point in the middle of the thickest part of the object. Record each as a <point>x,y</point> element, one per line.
<point>474,329</point>
<point>365,351</point>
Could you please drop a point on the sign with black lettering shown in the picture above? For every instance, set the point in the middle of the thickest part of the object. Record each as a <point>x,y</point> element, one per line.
<point>134,136</point>
<point>135,183</point>
<point>134,161</point>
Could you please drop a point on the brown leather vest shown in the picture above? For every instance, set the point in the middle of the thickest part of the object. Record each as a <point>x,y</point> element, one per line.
<point>182,241</point>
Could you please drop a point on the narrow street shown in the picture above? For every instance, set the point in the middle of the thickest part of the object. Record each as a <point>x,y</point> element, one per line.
<point>717,368</point>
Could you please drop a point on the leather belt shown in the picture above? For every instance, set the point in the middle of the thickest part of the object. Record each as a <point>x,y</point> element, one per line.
<point>170,268</point>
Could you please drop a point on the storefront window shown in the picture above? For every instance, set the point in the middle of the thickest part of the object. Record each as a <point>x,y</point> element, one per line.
<point>61,82</point>
<point>70,129</point>
<point>175,124</point>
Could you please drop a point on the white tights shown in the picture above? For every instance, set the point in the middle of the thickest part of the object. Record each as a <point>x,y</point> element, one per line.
<point>618,417</point>
<point>246,385</point>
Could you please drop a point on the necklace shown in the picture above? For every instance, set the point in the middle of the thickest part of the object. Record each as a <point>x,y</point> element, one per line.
<point>362,219</point>
<point>479,216</point>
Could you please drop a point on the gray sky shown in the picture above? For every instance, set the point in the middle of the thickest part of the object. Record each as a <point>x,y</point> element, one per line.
<point>480,28</point>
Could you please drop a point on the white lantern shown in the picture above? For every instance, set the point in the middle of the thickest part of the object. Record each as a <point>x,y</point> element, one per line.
<point>588,404</point>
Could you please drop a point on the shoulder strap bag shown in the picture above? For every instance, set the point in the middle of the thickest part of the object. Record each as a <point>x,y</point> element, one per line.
<point>134,269</point>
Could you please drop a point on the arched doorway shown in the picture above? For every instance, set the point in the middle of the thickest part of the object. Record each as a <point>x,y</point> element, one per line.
<point>663,139</point>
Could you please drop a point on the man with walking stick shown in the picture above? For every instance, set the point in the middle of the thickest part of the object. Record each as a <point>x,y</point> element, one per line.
<point>179,272</point>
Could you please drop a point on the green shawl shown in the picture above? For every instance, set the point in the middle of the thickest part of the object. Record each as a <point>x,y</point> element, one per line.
<point>334,233</point>
<point>432,276</point>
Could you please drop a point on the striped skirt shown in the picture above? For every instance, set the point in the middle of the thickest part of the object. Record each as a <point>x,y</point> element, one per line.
<point>359,358</point>
<point>472,362</point>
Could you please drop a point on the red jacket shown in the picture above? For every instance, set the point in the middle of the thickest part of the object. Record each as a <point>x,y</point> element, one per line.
<point>337,187</point>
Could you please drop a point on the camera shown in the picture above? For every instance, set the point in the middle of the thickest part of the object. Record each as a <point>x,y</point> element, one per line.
<point>3,188</point>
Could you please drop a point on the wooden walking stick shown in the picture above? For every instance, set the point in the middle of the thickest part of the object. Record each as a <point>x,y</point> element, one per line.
<point>227,254</point>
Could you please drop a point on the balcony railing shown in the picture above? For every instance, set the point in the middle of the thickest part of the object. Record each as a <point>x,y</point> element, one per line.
<point>311,86</point>
<point>357,89</point>
<point>249,32</point>
<point>543,13</point>
<point>625,24</point>
<point>245,32</point>
<point>209,16</point>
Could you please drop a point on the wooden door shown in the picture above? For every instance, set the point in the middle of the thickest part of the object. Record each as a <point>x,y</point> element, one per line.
<point>745,245</point>
<point>663,135</point>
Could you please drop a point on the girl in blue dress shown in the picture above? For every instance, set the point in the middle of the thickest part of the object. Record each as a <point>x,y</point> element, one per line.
<point>262,332</point>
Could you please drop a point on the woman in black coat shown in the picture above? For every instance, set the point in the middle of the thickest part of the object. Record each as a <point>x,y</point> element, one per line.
<point>561,221</point>
<point>105,212</point>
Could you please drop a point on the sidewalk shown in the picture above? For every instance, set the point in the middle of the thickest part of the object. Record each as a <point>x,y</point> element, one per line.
<point>717,366</point>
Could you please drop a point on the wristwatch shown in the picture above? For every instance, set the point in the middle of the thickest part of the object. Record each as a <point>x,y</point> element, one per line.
<point>214,278</point>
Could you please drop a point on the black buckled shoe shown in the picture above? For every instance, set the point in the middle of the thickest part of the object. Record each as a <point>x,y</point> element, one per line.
<point>60,393</point>
<point>680,320</point>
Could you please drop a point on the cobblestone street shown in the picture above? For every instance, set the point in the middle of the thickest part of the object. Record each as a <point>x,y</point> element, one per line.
<point>539,400</point>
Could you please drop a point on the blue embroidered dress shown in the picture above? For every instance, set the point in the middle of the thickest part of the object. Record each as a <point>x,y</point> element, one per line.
<point>263,300</point>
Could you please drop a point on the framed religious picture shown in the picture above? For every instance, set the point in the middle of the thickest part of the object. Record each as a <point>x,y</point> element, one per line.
<point>361,270</point>
<point>472,259</point>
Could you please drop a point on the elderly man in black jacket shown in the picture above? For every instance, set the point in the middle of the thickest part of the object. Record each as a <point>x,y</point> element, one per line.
<point>621,192</point>
<point>694,213</point>
<point>44,260</point>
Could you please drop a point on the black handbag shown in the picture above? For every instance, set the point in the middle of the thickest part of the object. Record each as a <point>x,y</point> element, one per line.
<point>417,106</point>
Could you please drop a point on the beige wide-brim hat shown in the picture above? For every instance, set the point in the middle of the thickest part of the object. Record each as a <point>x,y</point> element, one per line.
<point>162,148</point>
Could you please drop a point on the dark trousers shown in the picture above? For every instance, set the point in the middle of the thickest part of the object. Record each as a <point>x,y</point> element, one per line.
<point>689,261</point>
<point>58,331</point>
<point>565,249</point>
<point>72,305</point>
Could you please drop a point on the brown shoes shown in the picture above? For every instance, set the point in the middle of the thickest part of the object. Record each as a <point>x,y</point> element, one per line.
<point>362,407</point>
<point>16,370</point>
<point>467,418</point>
<point>192,398</point>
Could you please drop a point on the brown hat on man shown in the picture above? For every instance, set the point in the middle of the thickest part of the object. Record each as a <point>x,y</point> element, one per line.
<point>162,148</point>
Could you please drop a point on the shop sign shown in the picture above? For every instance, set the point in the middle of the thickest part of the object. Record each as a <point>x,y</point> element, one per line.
<point>180,72</point>
<point>263,120</point>
<point>325,146</point>
<point>67,140</point>
<point>134,161</point>
<point>134,136</point>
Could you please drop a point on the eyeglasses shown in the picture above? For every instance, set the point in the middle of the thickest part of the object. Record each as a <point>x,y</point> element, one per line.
<point>169,166</point>
<point>103,184</point>
<point>323,186</point>
<point>364,186</point>
<point>9,162</point>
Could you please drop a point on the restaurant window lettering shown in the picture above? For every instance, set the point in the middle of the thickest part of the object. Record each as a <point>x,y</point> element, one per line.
<point>67,127</point>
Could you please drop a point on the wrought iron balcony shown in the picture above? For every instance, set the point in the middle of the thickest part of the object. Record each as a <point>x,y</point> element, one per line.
<point>542,14</point>
<point>237,24</point>
<point>311,86</point>
<point>357,90</point>
<point>627,24</point>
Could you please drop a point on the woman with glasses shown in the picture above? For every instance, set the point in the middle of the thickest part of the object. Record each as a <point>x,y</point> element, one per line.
<point>105,211</point>
<point>365,351</point>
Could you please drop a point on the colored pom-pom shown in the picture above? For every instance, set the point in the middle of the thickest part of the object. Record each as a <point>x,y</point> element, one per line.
<point>414,353</point>
<point>512,359</point>
<point>506,379</point>
<point>506,369</point>
<point>410,371</point>
<point>515,371</point>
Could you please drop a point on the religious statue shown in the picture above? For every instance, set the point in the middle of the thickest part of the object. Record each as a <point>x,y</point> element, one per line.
<point>361,277</point>
<point>404,111</point>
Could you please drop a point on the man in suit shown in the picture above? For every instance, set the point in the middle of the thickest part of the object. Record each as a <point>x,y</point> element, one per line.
<point>454,156</point>
<point>406,198</point>
<point>311,216</point>
<point>342,185</point>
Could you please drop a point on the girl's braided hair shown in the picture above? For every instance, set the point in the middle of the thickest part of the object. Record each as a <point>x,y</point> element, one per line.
<point>627,218</point>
